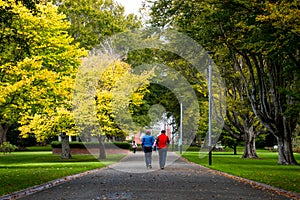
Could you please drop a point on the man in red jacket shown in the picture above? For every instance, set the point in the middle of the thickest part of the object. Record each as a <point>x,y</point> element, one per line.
<point>162,146</point>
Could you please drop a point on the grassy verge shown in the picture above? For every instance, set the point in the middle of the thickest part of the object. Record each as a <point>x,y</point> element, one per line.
<point>263,170</point>
<point>20,170</point>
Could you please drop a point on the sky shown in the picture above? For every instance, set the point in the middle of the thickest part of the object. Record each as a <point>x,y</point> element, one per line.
<point>131,6</point>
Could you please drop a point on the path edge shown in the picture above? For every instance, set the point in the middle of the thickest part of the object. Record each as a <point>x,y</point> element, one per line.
<point>37,188</point>
<point>257,185</point>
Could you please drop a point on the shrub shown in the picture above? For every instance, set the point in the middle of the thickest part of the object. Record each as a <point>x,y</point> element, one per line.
<point>122,145</point>
<point>6,147</point>
<point>193,148</point>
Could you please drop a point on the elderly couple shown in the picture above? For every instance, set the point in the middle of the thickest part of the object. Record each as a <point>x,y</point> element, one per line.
<point>162,143</point>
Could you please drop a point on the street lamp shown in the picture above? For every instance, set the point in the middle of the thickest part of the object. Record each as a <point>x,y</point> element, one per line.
<point>173,132</point>
<point>164,74</point>
<point>180,126</point>
<point>209,108</point>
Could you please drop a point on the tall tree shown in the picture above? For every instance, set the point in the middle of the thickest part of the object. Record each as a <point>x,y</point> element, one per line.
<point>37,70</point>
<point>169,84</point>
<point>265,36</point>
<point>242,119</point>
<point>93,20</point>
<point>242,123</point>
<point>108,95</point>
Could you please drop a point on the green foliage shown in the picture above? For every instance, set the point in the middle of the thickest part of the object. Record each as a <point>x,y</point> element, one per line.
<point>39,148</point>
<point>193,148</point>
<point>6,147</point>
<point>122,145</point>
<point>117,88</point>
<point>38,62</point>
<point>176,69</point>
<point>256,45</point>
<point>93,20</point>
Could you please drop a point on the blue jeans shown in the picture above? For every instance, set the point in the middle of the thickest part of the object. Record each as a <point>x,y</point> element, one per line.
<point>148,155</point>
<point>162,154</point>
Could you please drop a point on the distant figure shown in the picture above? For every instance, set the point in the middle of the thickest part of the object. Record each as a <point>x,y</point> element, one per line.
<point>162,146</point>
<point>154,146</point>
<point>147,143</point>
<point>134,146</point>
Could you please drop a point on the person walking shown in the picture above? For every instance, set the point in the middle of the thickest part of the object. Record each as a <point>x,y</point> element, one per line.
<point>134,146</point>
<point>147,143</point>
<point>162,146</point>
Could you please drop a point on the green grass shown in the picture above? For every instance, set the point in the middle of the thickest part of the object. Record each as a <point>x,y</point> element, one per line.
<point>20,170</point>
<point>264,170</point>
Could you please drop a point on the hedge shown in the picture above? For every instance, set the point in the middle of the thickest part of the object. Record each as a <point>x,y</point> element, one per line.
<point>122,145</point>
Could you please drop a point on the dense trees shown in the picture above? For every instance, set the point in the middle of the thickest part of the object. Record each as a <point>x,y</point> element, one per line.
<point>256,47</point>
<point>260,39</point>
<point>39,60</point>
<point>38,63</point>
<point>117,89</point>
<point>93,20</point>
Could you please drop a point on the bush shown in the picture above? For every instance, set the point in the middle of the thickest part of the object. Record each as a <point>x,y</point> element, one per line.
<point>122,145</point>
<point>6,147</point>
<point>193,148</point>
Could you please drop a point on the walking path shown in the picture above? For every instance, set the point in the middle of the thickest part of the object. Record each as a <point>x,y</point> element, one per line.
<point>182,180</point>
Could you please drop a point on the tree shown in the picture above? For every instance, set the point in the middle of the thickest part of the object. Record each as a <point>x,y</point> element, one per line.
<point>241,121</point>
<point>93,20</point>
<point>259,36</point>
<point>179,79</point>
<point>108,87</point>
<point>38,63</point>
<point>58,121</point>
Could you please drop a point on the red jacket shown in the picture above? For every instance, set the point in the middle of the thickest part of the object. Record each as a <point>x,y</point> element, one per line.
<point>162,141</point>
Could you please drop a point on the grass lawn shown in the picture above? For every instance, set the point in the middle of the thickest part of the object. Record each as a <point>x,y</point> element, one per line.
<point>263,170</point>
<point>20,170</point>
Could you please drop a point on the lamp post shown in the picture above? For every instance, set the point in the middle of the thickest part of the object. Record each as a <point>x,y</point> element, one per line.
<point>173,133</point>
<point>164,74</point>
<point>180,126</point>
<point>209,109</point>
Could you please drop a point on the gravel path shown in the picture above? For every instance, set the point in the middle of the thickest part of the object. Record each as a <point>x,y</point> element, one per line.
<point>182,180</point>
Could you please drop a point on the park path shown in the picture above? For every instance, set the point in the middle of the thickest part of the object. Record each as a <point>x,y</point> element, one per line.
<point>182,180</point>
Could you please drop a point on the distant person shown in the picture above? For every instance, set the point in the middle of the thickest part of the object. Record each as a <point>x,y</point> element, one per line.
<point>147,143</point>
<point>154,146</point>
<point>162,146</point>
<point>134,146</point>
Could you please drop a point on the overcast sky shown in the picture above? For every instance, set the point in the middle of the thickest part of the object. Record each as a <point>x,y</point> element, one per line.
<point>131,6</point>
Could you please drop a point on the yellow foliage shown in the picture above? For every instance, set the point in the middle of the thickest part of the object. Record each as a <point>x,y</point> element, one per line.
<point>118,87</point>
<point>37,80</point>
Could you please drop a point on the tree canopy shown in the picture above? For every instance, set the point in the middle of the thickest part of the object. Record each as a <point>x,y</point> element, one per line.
<point>261,38</point>
<point>93,20</point>
<point>38,63</point>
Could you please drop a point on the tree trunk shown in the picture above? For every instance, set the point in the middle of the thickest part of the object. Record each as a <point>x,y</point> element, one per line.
<point>199,140</point>
<point>102,153</point>
<point>3,133</point>
<point>269,103</point>
<point>285,149</point>
<point>250,149</point>
<point>234,150</point>
<point>65,146</point>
